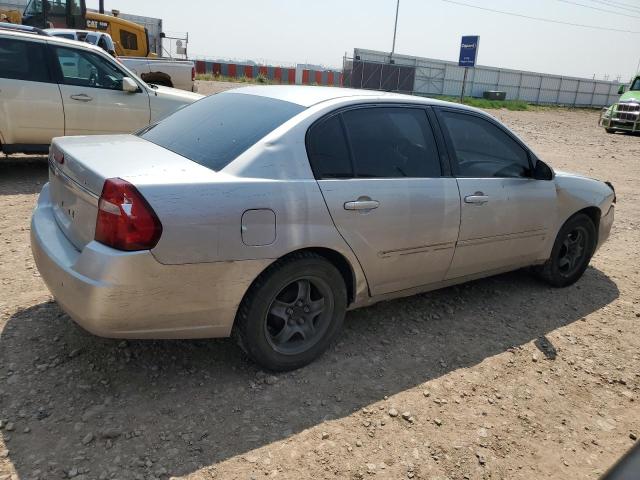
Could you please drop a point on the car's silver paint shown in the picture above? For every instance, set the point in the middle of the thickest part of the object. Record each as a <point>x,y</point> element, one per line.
<point>191,283</point>
<point>509,227</point>
<point>131,294</point>
<point>409,239</point>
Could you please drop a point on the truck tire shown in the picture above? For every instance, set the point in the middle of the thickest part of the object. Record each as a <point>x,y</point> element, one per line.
<point>157,78</point>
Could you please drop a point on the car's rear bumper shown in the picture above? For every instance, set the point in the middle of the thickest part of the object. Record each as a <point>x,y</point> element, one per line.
<point>130,294</point>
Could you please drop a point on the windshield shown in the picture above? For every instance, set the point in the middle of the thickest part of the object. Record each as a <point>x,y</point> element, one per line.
<point>215,130</point>
<point>636,84</point>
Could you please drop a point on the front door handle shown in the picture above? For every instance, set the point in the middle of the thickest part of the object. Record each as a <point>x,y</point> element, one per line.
<point>477,198</point>
<point>361,204</point>
<point>82,97</point>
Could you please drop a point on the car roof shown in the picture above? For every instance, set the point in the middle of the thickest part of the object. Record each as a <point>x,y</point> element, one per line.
<point>307,96</point>
<point>52,39</point>
<point>71,30</point>
<point>15,27</point>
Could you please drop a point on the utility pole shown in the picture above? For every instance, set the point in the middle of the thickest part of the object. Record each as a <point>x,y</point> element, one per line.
<point>395,28</point>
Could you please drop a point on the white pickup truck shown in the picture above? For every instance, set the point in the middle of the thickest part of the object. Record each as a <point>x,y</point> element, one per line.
<point>163,71</point>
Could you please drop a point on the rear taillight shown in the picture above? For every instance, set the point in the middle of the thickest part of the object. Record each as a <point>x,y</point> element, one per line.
<point>125,220</point>
<point>193,73</point>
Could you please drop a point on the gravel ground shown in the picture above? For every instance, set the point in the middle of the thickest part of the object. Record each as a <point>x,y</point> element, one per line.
<point>499,378</point>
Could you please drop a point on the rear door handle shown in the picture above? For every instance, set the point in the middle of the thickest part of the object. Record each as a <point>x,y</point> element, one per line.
<point>477,198</point>
<point>82,97</point>
<point>361,205</point>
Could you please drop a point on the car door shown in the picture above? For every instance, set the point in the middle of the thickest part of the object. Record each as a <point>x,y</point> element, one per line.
<point>506,214</point>
<point>379,170</point>
<point>94,102</point>
<point>26,87</point>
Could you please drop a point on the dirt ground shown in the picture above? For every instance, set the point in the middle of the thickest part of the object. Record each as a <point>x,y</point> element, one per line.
<point>499,378</point>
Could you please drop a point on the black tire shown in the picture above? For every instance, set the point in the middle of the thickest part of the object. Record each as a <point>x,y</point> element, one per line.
<point>610,130</point>
<point>157,78</point>
<point>300,330</point>
<point>571,253</point>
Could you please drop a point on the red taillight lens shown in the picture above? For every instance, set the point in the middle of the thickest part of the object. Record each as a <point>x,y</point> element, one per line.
<point>193,73</point>
<point>125,220</point>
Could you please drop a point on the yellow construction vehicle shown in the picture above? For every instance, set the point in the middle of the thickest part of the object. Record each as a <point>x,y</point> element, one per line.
<point>130,39</point>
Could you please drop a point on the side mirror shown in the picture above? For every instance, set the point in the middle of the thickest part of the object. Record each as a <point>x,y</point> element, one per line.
<point>128,85</point>
<point>621,90</point>
<point>542,171</point>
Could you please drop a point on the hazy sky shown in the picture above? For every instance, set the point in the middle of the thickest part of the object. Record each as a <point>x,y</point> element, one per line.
<point>321,31</point>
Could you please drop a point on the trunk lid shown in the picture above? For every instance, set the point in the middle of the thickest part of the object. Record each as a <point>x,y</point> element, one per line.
<point>76,182</point>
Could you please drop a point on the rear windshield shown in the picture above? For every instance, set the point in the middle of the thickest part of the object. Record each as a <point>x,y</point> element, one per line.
<point>215,130</point>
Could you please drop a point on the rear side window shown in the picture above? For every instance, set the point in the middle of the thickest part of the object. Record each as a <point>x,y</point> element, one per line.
<point>484,150</point>
<point>328,151</point>
<point>20,60</point>
<point>389,142</point>
<point>215,130</point>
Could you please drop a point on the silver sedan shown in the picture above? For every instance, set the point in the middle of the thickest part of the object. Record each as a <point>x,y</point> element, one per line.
<point>267,212</point>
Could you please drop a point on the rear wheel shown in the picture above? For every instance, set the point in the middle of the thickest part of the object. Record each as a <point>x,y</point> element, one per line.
<point>292,312</point>
<point>571,252</point>
<point>610,130</point>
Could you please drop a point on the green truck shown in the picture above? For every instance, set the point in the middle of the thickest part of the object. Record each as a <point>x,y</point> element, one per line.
<point>624,115</point>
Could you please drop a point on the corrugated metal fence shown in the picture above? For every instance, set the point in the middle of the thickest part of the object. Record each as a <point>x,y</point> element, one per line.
<point>372,69</point>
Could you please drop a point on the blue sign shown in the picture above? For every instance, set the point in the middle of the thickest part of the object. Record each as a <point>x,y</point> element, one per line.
<point>469,50</point>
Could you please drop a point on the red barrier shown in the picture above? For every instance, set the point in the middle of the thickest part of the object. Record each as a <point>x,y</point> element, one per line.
<point>232,70</point>
<point>217,68</point>
<point>330,78</point>
<point>292,76</point>
<point>248,71</point>
<point>262,70</point>
<point>305,77</point>
<point>277,74</point>
<point>200,67</point>
<point>319,78</point>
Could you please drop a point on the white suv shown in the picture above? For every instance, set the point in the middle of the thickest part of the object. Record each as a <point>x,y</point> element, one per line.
<point>50,87</point>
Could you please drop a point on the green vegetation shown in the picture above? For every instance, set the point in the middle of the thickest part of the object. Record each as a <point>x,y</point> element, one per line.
<point>260,79</point>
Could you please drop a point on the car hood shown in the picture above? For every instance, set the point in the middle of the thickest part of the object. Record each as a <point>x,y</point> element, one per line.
<point>631,96</point>
<point>175,94</point>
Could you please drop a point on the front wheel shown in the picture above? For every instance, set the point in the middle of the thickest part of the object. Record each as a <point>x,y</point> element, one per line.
<point>292,312</point>
<point>571,252</point>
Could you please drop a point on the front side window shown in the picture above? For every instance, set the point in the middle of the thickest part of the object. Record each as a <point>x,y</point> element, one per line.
<point>484,150</point>
<point>21,60</point>
<point>388,142</point>
<point>636,85</point>
<point>215,130</point>
<point>87,69</point>
<point>34,7</point>
<point>128,40</point>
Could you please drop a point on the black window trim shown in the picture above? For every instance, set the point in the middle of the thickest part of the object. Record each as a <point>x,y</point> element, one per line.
<point>444,159</point>
<point>50,73</point>
<point>451,150</point>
